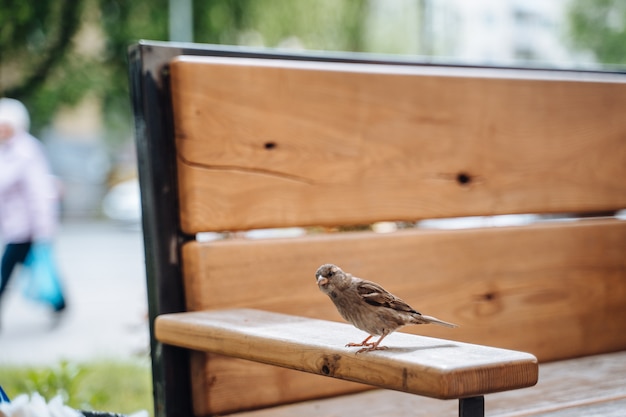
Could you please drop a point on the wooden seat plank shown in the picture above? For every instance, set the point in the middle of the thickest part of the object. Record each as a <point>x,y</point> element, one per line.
<point>419,365</point>
<point>264,143</point>
<point>574,387</point>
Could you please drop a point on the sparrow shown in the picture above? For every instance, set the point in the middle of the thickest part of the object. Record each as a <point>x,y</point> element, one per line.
<point>368,306</point>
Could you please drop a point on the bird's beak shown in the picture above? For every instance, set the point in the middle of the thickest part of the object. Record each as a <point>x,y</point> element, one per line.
<point>321,280</point>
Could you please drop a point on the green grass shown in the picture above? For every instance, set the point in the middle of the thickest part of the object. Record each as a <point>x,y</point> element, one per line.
<point>113,386</point>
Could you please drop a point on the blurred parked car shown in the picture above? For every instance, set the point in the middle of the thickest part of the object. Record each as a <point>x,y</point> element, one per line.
<point>122,202</point>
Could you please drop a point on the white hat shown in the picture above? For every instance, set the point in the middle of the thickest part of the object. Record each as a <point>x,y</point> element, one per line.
<point>14,113</point>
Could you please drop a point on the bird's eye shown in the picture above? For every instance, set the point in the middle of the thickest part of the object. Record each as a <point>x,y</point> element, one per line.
<point>331,273</point>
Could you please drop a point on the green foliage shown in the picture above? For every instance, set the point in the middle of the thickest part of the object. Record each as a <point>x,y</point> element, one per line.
<point>119,387</point>
<point>40,40</point>
<point>32,36</point>
<point>600,26</point>
<point>62,380</point>
<point>33,45</point>
<point>124,23</point>
<point>317,24</point>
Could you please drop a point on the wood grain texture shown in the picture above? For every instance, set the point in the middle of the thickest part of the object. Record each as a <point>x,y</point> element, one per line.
<point>419,365</point>
<point>591,386</point>
<point>603,409</point>
<point>274,144</point>
<point>556,290</point>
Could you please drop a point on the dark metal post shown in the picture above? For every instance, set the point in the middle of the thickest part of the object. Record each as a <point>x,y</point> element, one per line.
<point>472,407</point>
<point>162,236</point>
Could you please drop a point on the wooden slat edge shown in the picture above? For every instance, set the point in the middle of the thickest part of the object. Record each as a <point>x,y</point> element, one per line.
<point>425,366</point>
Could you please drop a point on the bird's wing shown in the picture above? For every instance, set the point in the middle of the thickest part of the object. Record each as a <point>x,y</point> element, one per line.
<point>376,295</point>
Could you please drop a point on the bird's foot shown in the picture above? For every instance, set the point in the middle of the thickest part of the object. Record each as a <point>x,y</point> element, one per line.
<point>365,342</point>
<point>371,347</point>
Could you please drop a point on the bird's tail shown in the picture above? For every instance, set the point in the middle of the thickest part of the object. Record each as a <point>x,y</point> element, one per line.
<point>421,319</point>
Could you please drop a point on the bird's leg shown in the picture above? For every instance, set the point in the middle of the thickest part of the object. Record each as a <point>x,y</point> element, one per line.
<point>375,345</point>
<point>363,343</point>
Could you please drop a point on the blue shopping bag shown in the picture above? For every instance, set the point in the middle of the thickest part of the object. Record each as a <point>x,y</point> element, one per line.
<point>41,280</point>
<point>4,398</point>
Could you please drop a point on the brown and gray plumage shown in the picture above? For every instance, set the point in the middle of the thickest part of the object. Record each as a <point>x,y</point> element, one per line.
<point>368,306</point>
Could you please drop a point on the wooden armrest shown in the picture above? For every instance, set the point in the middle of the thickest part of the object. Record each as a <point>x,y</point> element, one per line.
<point>420,365</point>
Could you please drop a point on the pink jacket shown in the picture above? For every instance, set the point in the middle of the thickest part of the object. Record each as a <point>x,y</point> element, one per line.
<point>28,194</point>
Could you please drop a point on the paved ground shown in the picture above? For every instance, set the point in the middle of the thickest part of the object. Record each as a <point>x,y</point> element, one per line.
<point>103,270</point>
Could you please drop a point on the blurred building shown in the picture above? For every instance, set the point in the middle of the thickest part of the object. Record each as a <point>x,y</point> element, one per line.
<point>498,32</point>
<point>484,32</point>
<point>79,157</point>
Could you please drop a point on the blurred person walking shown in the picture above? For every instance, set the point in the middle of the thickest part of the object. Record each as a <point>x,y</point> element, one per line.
<point>28,203</point>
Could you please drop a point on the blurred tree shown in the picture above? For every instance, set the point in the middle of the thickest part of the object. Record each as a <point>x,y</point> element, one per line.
<point>33,44</point>
<point>600,26</point>
<point>314,24</point>
<point>124,22</point>
<point>54,52</point>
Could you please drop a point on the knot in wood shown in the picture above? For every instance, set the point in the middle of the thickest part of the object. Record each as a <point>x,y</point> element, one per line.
<point>329,365</point>
<point>489,304</point>
<point>463,178</point>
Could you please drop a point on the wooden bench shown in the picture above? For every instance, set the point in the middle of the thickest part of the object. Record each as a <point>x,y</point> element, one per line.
<point>232,140</point>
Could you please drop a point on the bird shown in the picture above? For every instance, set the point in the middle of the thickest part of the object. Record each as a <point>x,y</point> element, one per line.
<point>368,306</point>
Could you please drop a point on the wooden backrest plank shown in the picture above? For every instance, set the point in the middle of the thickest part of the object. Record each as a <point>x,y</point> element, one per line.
<point>556,290</point>
<point>275,143</point>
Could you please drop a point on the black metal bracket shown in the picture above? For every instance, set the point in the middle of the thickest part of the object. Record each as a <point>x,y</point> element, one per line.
<point>472,407</point>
